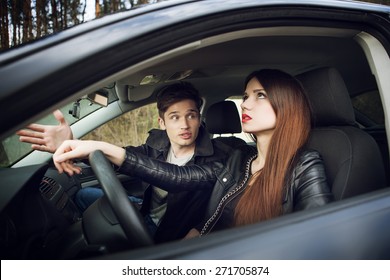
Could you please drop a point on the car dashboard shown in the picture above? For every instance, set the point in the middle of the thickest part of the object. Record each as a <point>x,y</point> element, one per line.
<point>37,209</point>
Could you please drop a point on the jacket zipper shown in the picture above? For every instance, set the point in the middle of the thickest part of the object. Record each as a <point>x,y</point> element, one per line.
<point>225,199</point>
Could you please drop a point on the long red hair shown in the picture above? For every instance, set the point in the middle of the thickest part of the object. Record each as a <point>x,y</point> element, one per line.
<point>262,199</point>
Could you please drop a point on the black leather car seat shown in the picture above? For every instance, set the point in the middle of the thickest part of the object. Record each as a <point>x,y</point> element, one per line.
<point>352,158</point>
<point>223,118</point>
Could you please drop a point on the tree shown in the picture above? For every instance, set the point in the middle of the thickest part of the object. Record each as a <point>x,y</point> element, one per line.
<point>25,20</point>
<point>4,23</point>
<point>22,21</point>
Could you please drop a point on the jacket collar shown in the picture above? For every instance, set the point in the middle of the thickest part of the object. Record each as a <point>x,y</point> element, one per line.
<point>158,140</point>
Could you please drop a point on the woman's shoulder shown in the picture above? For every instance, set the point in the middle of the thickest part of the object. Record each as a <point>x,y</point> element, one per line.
<point>308,159</point>
<point>308,154</point>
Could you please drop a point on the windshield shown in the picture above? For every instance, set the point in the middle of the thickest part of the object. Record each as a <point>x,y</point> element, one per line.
<point>12,150</point>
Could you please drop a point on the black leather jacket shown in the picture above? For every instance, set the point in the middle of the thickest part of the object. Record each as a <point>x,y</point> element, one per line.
<point>184,209</point>
<point>306,187</point>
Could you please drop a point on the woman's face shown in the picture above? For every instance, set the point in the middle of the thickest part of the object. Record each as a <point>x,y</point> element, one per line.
<point>258,116</point>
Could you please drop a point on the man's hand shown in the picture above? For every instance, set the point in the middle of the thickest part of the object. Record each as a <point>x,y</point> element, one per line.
<point>71,150</point>
<point>192,233</point>
<point>47,138</point>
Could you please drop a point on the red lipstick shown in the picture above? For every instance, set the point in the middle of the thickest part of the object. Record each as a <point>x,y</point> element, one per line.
<point>245,118</point>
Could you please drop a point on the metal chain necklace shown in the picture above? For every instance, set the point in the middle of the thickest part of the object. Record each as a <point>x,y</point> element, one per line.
<point>228,195</point>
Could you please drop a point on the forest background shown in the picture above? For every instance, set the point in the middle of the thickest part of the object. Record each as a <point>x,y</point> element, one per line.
<point>22,21</point>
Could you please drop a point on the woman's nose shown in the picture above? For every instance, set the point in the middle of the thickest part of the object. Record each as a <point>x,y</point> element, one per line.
<point>246,104</point>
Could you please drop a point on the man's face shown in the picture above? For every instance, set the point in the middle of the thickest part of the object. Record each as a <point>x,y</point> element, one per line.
<point>182,122</point>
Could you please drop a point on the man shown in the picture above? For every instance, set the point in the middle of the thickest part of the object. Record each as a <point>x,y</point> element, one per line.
<point>181,140</point>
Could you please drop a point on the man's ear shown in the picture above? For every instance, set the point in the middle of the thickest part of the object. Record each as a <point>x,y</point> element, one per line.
<point>161,123</point>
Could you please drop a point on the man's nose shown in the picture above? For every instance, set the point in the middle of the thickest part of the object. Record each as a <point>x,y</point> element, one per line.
<point>184,123</point>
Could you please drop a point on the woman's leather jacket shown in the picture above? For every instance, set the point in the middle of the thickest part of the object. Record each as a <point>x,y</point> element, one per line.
<point>306,187</point>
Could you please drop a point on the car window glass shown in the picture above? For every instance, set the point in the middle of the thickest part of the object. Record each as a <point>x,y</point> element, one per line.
<point>128,129</point>
<point>12,150</point>
<point>369,106</point>
<point>244,136</point>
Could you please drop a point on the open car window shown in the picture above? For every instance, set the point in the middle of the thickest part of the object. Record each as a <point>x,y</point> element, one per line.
<point>12,150</point>
<point>130,128</point>
<point>368,109</point>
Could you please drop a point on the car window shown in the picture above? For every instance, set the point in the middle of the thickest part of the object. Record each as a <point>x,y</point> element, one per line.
<point>12,150</point>
<point>244,136</point>
<point>128,129</point>
<point>368,109</point>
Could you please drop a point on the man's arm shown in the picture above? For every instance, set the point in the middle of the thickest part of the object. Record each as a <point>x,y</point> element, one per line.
<point>47,138</point>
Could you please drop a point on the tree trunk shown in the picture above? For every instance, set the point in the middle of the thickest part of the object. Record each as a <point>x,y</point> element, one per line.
<point>54,17</point>
<point>45,19</point>
<point>4,23</point>
<point>97,9</point>
<point>64,13</point>
<point>27,21</point>
<point>38,11</point>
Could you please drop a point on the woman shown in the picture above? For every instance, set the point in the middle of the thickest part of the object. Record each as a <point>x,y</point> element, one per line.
<point>276,177</point>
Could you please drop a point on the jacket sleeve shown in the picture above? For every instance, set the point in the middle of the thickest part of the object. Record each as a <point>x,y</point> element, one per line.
<point>170,177</point>
<point>310,187</point>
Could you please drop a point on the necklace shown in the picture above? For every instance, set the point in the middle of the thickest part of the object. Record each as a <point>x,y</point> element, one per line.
<point>227,196</point>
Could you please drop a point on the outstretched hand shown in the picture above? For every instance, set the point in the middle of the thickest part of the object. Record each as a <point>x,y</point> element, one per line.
<point>47,138</point>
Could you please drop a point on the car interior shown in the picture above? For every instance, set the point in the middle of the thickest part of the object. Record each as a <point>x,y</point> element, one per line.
<point>335,66</point>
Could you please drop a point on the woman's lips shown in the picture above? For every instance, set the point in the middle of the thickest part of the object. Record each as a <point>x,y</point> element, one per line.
<point>245,118</point>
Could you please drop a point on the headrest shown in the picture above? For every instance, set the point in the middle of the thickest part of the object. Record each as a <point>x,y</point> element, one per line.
<point>328,96</point>
<point>223,117</point>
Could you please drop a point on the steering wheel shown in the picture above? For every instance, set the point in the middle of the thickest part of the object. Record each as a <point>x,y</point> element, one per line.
<point>128,216</point>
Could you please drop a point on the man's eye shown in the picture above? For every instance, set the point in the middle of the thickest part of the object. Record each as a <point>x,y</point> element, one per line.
<point>244,97</point>
<point>174,118</point>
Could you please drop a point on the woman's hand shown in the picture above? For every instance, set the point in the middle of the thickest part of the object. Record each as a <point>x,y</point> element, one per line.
<point>71,150</point>
<point>47,138</point>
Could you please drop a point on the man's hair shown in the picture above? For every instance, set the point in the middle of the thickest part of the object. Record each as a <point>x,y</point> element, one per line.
<point>173,93</point>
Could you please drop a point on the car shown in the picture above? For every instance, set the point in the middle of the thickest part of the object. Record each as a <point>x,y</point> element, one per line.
<point>332,47</point>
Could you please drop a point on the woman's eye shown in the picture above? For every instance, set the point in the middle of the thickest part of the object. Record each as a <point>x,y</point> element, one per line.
<point>244,97</point>
<point>261,95</point>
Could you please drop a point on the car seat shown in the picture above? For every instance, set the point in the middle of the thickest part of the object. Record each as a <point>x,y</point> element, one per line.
<point>353,162</point>
<point>223,118</point>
